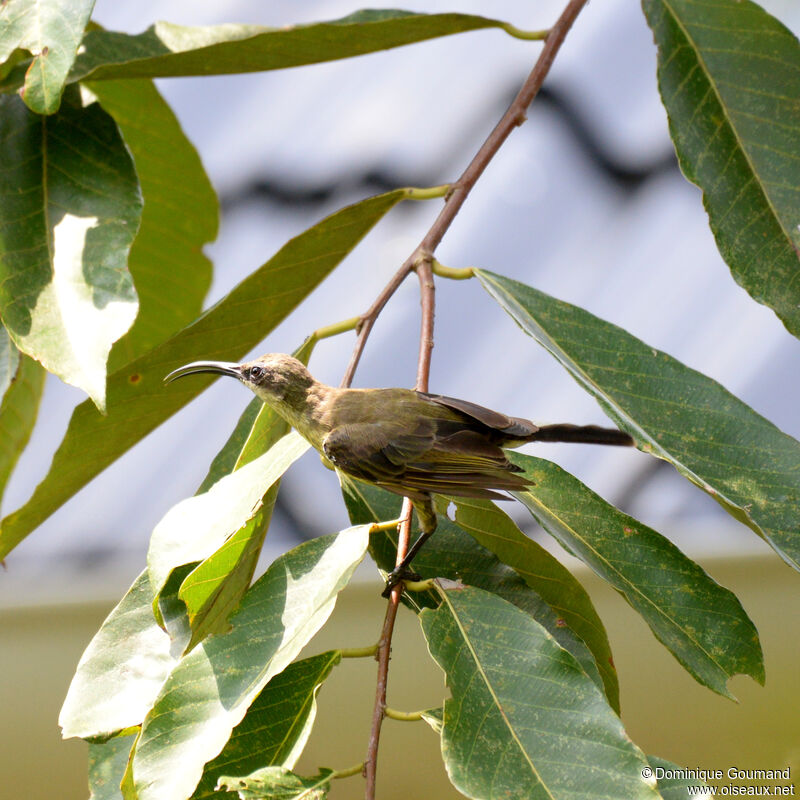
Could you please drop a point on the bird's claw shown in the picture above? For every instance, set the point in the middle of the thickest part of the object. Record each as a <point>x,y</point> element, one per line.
<point>397,575</point>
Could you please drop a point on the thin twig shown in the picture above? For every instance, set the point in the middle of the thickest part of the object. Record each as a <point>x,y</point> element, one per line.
<point>368,320</point>
<point>514,116</point>
<point>384,652</point>
<point>421,261</point>
<point>427,295</point>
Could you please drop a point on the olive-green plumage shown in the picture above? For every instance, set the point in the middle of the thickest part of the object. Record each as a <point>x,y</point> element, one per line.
<point>412,443</point>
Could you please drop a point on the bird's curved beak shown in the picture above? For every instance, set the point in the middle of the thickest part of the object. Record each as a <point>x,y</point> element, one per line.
<point>217,367</point>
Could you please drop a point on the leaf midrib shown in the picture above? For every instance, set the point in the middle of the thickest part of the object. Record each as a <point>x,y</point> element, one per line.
<point>626,582</point>
<point>725,111</point>
<point>655,448</point>
<point>495,698</point>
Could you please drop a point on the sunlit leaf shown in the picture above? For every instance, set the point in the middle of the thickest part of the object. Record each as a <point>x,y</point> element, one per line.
<point>523,720</point>
<point>197,527</point>
<point>210,690</point>
<point>71,207</point>
<point>279,783</point>
<point>121,671</point>
<point>256,415</point>
<point>711,437</point>
<point>51,31</point>
<point>702,624</point>
<point>729,76</point>
<point>213,589</point>
<point>276,727</point>
<point>171,50</point>
<point>137,399</point>
<point>546,575</point>
<point>130,657</point>
<point>169,269</point>
<point>258,428</point>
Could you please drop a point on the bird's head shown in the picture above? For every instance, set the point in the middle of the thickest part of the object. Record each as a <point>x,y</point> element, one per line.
<point>274,377</point>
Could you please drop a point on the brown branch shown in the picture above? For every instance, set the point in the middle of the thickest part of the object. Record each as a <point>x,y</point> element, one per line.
<point>384,652</point>
<point>368,320</point>
<point>427,294</point>
<point>421,261</point>
<point>514,116</point>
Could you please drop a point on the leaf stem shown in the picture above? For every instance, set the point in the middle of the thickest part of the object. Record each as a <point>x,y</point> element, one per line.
<point>403,716</point>
<point>346,773</point>
<point>335,329</point>
<point>420,586</point>
<point>453,273</point>
<point>385,526</point>
<point>518,33</point>
<point>359,652</point>
<point>430,193</point>
<point>421,262</point>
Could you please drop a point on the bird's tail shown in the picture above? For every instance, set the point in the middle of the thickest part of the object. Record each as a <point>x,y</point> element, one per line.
<point>582,434</point>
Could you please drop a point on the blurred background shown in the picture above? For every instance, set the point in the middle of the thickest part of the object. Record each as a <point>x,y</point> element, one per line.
<point>585,202</point>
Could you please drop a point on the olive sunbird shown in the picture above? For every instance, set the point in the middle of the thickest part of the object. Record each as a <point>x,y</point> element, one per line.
<point>412,443</point>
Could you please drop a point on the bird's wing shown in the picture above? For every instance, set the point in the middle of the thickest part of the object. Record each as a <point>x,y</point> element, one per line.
<point>412,461</point>
<point>376,452</point>
<point>510,427</point>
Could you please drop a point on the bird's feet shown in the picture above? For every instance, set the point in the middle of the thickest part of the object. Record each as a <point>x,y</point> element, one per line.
<point>398,574</point>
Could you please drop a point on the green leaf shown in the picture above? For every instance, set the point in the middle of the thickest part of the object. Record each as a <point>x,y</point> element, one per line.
<point>452,553</point>
<point>122,670</point>
<point>51,30</point>
<point>70,212</point>
<point>701,623</point>
<point>107,764</point>
<point>546,575</point>
<point>213,589</point>
<point>197,527</point>
<point>279,783</point>
<point>9,361</point>
<point>180,216</point>
<point>673,788</point>
<point>165,50</point>
<point>711,437</point>
<point>256,417</point>
<point>524,721</point>
<point>137,399</point>
<point>210,690</point>
<point>276,727</point>
<point>18,411</point>
<point>257,430</point>
<point>16,57</point>
<point>729,76</point>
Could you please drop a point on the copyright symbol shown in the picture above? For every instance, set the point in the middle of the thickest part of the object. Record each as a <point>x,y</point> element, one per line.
<point>647,772</point>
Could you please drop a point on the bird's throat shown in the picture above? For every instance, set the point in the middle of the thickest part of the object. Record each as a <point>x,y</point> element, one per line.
<point>307,410</point>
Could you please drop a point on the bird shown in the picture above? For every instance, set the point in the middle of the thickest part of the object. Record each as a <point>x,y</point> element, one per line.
<point>412,443</point>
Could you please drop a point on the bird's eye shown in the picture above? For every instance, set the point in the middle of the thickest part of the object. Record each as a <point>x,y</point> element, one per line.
<point>254,373</point>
